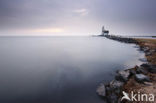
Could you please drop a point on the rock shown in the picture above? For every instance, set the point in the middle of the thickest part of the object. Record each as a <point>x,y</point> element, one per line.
<point>141,48</point>
<point>145,65</point>
<point>149,67</point>
<point>132,72</point>
<point>150,52</point>
<point>101,91</point>
<point>114,87</point>
<point>143,59</point>
<point>148,83</point>
<point>146,49</point>
<point>116,84</point>
<point>152,69</point>
<point>122,75</point>
<point>142,78</point>
<point>141,70</point>
<point>136,46</point>
<point>112,98</point>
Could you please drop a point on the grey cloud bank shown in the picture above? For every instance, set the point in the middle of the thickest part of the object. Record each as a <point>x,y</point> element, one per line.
<point>71,17</point>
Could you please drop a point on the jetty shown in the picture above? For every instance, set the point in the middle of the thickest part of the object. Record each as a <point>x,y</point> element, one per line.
<point>140,79</point>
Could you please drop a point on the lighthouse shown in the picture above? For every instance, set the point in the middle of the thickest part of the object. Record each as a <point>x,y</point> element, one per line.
<point>104,32</point>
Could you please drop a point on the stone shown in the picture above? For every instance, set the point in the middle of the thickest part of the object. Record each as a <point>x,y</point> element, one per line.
<point>141,70</point>
<point>148,53</point>
<point>152,69</point>
<point>116,84</point>
<point>132,72</point>
<point>143,59</point>
<point>136,46</point>
<point>122,75</point>
<point>152,51</point>
<point>112,98</point>
<point>101,90</point>
<point>145,65</point>
<point>146,49</point>
<point>141,78</point>
<point>148,83</point>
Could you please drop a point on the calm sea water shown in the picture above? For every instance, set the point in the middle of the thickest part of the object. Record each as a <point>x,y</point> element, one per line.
<point>59,69</point>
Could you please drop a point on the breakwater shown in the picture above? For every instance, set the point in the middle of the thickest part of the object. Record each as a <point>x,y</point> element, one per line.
<point>112,92</point>
<point>121,39</point>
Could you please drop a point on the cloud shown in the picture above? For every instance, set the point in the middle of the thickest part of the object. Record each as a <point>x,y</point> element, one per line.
<point>82,12</point>
<point>48,30</point>
<point>37,31</point>
<point>81,16</point>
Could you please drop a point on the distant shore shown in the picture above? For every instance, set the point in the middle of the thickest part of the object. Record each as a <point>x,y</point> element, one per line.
<point>140,79</point>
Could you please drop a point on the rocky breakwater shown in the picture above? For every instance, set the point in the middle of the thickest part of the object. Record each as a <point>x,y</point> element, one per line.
<point>113,91</point>
<point>140,79</point>
<point>121,39</point>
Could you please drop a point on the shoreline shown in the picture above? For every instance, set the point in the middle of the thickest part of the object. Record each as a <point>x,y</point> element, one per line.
<point>140,79</point>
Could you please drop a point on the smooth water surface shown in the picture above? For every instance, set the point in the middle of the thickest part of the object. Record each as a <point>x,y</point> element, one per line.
<point>59,69</point>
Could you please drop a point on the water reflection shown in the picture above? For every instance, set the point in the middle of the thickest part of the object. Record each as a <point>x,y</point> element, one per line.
<point>59,69</point>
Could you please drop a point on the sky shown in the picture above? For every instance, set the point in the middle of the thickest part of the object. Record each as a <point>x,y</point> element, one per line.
<point>77,17</point>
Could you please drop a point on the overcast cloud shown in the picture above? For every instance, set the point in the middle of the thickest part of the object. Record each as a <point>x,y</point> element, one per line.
<point>77,17</point>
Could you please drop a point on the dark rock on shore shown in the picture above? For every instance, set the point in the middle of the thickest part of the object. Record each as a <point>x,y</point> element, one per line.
<point>145,65</point>
<point>150,52</point>
<point>121,39</point>
<point>145,49</point>
<point>141,70</point>
<point>143,59</point>
<point>112,91</point>
<point>101,91</point>
<point>113,98</point>
<point>151,68</point>
<point>115,84</point>
<point>142,78</point>
<point>122,75</point>
<point>132,72</point>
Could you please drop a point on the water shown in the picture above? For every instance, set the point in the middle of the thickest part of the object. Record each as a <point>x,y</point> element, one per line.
<point>59,69</point>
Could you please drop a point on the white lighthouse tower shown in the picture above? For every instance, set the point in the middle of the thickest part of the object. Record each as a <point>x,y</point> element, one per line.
<point>104,32</point>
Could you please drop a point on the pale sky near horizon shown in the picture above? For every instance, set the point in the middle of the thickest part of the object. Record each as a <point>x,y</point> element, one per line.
<point>77,17</point>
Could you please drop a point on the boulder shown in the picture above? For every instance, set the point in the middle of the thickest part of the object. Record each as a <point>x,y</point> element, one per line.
<point>132,72</point>
<point>112,98</point>
<point>141,78</point>
<point>116,84</point>
<point>143,59</point>
<point>150,52</point>
<point>145,65</point>
<point>136,46</point>
<point>122,75</point>
<point>149,67</point>
<point>101,90</point>
<point>148,83</point>
<point>141,70</point>
<point>152,69</point>
<point>146,49</point>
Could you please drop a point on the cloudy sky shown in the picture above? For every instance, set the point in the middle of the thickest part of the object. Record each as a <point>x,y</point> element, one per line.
<point>77,17</point>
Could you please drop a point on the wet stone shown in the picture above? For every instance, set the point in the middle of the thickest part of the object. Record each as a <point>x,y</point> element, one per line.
<point>122,75</point>
<point>142,78</point>
<point>101,91</point>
